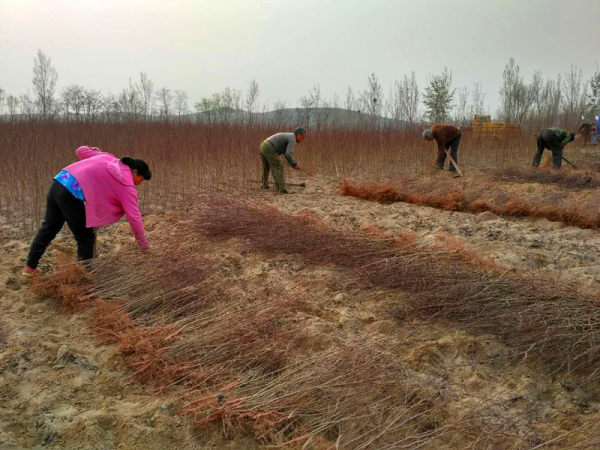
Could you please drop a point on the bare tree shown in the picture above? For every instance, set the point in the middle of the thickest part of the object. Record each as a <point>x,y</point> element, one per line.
<point>27,105</point>
<point>335,101</point>
<point>593,98</point>
<point>206,109</point>
<point>312,104</point>
<point>223,109</point>
<point>12,105</point>
<point>237,105</point>
<point>552,99</point>
<point>278,113</point>
<point>393,105</point>
<point>130,102</point>
<point>462,105</point>
<point>44,83</point>
<point>324,113</point>
<point>547,101</point>
<point>438,97</point>
<point>181,103</point>
<point>573,95</point>
<point>316,105</point>
<point>111,107</point>
<point>410,98</point>
<point>165,100</point>
<point>477,97</point>
<point>251,99</point>
<point>350,101</point>
<point>537,88</point>
<point>516,96</point>
<point>304,113</point>
<point>2,99</point>
<point>73,100</point>
<point>92,103</point>
<point>338,116</point>
<point>65,103</point>
<point>511,86</point>
<point>372,99</point>
<point>229,104</point>
<point>145,90</point>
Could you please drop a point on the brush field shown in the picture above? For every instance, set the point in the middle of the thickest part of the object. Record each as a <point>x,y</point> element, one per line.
<point>385,305</point>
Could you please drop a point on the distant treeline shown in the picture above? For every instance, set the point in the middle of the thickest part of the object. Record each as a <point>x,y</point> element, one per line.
<point>562,101</point>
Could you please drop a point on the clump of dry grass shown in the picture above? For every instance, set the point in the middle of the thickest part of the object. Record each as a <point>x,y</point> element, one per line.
<point>247,364</point>
<point>69,286</point>
<point>535,316</point>
<point>236,349</point>
<point>350,395</point>
<point>477,196</point>
<point>570,179</point>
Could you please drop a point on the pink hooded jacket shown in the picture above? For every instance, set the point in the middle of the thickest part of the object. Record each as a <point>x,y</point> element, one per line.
<point>109,192</point>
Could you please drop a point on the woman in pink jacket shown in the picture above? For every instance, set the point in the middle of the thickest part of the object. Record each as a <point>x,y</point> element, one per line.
<point>93,192</point>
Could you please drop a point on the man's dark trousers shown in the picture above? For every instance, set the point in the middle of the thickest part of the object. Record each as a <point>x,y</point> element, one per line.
<point>453,146</point>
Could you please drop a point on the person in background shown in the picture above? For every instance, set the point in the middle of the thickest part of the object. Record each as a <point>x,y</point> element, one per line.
<point>270,151</point>
<point>447,137</point>
<point>95,191</point>
<point>553,139</point>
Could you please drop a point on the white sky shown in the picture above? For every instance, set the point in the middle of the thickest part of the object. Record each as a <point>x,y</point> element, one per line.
<point>289,46</point>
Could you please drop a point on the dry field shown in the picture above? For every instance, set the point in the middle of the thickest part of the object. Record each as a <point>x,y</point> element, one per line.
<point>385,305</point>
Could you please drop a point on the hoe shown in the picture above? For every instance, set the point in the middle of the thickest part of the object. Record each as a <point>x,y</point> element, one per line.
<point>459,172</point>
<point>287,184</point>
<point>569,162</point>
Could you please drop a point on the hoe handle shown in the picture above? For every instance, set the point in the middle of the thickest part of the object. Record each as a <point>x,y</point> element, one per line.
<point>460,172</point>
<point>569,162</point>
<point>287,184</point>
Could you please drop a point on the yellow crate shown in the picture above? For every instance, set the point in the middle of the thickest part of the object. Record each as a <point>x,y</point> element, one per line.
<point>480,119</point>
<point>484,127</point>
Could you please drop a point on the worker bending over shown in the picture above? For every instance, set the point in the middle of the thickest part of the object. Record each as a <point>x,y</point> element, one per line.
<point>447,137</point>
<point>553,139</point>
<point>270,151</point>
<point>95,191</point>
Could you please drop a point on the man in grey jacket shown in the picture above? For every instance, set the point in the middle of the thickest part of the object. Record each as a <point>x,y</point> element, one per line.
<point>270,151</point>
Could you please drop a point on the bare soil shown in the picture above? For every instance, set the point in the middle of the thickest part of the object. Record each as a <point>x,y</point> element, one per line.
<point>60,389</point>
<point>540,246</point>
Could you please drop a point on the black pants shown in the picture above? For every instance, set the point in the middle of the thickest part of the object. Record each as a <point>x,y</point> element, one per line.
<point>548,140</point>
<point>453,146</point>
<point>62,206</point>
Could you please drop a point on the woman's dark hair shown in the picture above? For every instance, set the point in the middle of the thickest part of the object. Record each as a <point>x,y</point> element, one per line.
<point>139,165</point>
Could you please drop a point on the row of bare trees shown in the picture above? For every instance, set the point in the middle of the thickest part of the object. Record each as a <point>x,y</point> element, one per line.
<point>566,99</point>
<point>139,99</point>
<point>563,100</point>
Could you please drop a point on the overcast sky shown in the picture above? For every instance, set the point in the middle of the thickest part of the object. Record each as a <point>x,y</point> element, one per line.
<point>289,46</point>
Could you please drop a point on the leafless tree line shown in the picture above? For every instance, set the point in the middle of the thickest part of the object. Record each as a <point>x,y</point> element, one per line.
<point>563,100</point>
<point>566,99</point>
